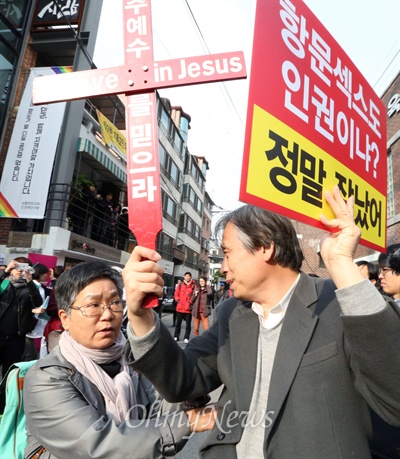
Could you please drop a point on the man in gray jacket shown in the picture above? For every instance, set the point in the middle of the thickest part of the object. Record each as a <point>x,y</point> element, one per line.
<point>299,358</point>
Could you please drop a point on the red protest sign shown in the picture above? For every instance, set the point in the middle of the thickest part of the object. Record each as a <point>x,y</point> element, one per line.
<point>138,79</point>
<point>313,122</point>
<point>143,170</point>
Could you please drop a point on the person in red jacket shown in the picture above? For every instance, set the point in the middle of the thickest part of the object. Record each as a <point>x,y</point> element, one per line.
<point>183,294</point>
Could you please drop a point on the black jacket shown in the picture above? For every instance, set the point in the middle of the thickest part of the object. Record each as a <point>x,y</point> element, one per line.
<point>16,306</point>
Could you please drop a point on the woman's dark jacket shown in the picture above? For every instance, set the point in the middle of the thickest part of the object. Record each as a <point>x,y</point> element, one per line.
<point>206,296</point>
<point>16,304</point>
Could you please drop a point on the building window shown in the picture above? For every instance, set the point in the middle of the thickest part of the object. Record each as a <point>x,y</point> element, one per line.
<point>168,166</point>
<point>164,120</point>
<point>165,246</point>
<point>192,258</point>
<point>13,19</point>
<point>178,142</point>
<point>169,207</point>
<point>189,195</point>
<point>189,227</point>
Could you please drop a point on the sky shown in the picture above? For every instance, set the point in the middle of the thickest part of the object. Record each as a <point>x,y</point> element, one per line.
<point>367,30</point>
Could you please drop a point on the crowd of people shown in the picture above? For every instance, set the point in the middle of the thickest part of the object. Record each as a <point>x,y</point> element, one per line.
<point>196,299</point>
<point>28,311</point>
<point>309,366</point>
<point>99,218</point>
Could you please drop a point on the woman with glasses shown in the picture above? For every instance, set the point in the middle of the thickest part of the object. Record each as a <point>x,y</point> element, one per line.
<point>82,400</point>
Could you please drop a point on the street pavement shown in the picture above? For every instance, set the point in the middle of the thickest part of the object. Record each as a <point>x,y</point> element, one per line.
<point>191,449</point>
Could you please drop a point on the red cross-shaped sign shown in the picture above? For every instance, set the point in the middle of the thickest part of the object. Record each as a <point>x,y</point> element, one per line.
<point>138,79</point>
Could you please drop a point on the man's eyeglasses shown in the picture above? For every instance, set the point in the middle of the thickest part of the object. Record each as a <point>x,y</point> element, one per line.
<point>383,271</point>
<point>97,309</point>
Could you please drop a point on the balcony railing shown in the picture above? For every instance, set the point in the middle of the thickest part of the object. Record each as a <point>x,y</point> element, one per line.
<point>81,213</point>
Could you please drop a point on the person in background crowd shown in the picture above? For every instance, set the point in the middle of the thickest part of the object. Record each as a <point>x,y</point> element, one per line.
<point>220,292</point>
<point>182,295</point>
<point>369,271</point>
<point>213,293</point>
<point>34,337</point>
<point>19,300</point>
<point>227,293</point>
<point>107,233</point>
<point>82,400</point>
<point>389,276</point>
<point>82,208</point>
<point>54,274</point>
<point>201,305</point>
<point>174,302</point>
<point>98,218</point>
<point>300,358</point>
<point>53,327</point>
<point>112,226</point>
<point>122,230</point>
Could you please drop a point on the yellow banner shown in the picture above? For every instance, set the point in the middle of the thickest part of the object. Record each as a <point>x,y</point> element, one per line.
<point>288,170</point>
<point>111,135</point>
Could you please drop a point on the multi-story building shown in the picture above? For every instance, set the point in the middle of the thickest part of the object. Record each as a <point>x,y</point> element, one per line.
<point>391,99</point>
<point>39,36</point>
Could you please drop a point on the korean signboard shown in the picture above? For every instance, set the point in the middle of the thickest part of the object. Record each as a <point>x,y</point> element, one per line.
<point>29,162</point>
<point>313,122</point>
<point>55,13</point>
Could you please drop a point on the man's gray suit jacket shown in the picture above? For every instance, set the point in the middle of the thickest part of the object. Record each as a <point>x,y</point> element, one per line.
<point>327,366</point>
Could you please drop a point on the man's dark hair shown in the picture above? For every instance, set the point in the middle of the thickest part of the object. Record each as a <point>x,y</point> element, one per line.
<point>393,262</point>
<point>58,270</point>
<point>372,271</point>
<point>190,274</point>
<point>258,227</point>
<point>80,276</point>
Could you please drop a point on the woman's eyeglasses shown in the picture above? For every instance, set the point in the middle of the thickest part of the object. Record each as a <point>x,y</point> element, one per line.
<point>97,309</point>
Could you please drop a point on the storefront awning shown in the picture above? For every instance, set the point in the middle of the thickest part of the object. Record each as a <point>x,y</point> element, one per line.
<point>85,145</point>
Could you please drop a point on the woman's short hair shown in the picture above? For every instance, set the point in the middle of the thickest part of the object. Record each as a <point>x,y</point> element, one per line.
<point>372,271</point>
<point>23,260</point>
<point>40,269</point>
<point>74,280</point>
<point>258,228</point>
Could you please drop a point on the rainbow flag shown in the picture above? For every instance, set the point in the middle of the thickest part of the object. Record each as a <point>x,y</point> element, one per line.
<point>61,69</point>
<point>5,208</point>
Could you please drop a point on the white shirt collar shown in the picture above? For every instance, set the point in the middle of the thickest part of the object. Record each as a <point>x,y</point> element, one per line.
<point>277,313</point>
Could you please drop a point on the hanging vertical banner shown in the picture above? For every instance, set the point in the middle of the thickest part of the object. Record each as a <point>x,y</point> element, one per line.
<point>313,122</point>
<point>27,170</point>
